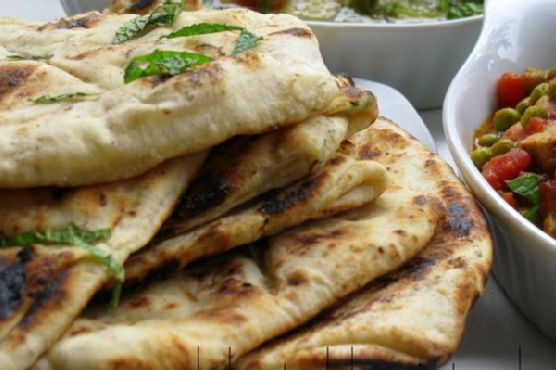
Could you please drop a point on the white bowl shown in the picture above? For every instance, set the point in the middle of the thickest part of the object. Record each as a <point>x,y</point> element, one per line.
<point>419,60</point>
<point>82,6</point>
<point>516,34</point>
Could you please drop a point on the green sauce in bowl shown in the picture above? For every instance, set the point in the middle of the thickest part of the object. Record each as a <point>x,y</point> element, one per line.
<point>362,11</point>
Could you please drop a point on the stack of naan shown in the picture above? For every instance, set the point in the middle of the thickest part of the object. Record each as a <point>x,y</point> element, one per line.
<point>264,216</point>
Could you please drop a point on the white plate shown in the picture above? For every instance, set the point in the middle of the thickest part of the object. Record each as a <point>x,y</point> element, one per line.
<point>393,105</point>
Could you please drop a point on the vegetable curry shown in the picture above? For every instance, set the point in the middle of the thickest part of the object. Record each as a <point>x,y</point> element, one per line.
<point>515,148</point>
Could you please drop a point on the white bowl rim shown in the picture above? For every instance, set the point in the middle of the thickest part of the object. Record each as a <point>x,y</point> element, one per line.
<point>488,196</point>
<point>425,24</point>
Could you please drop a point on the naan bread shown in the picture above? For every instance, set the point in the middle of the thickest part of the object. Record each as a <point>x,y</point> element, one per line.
<point>127,129</point>
<point>248,166</point>
<point>342,184</point>
<point>224,307</point>
<point>414,317</point>
<point>44,288</point>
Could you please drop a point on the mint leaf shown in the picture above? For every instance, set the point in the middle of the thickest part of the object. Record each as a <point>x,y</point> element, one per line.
<point>74,96</point>
<point>116,268</point>
<point>246,41</point>
<point>73,235</point>
<point>201,29</point>
<point>162,63</point>
<point>131,29</point>
<point>162,15</point>
<point>531,213</point>
<point>526,185</point>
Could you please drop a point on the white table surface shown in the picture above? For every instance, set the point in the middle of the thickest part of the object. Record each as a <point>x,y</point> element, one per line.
<point>495,330</point>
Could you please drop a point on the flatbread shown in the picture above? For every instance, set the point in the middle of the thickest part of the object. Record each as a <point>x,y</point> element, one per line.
<point>248,166</point>
<point>44,288</point>
<point>342,184</point>
<point>412,318</point>
<point>126,129</point>
<point>222,308</point>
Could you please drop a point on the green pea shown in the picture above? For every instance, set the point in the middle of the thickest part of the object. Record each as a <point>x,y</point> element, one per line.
<point>480,156</point>
<point>533,111</point>
<point>504,118</point>
<point>501,147</point>
<point>488,139</point>
<point>522,105</point>
<point>551,73</point>
<point>540,90</point>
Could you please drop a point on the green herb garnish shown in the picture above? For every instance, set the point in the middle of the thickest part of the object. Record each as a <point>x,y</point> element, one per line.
<point>29,57</point>
<point>531,213</point>
<point>246,41</point>
<point>463,9</point>
<point>162,15</point>
<point>74,96</point>
<point>74,236</point>
<point>162,63</point>
<point>202,29</point>
<point>527,186</point>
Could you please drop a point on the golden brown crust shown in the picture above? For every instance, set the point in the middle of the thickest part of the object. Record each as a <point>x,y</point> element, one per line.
<point>409,319</point>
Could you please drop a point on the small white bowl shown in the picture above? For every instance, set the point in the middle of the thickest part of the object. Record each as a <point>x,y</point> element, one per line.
<point>517,34</point>
<point>82,6</point>
<point>417,59</point>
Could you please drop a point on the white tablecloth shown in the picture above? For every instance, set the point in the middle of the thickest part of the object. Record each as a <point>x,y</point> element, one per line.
<point>495,329</point>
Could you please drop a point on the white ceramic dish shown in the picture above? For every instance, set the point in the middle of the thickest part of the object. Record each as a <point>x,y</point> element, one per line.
<point>419,60</point>
<point>517,34</point>
<point>83,6</point>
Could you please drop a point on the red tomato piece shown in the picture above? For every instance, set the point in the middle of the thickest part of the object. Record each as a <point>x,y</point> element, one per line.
<point>506,167</point>
<point>509,198</point>
<point>548,196</point>
<point>534,125</point>
<point>515,132</point>
<point>511,90</point>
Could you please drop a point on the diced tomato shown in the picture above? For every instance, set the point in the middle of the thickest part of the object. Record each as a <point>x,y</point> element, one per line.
<point>506,167</point>
<point>534,125</point>
<point>509,198</point>
<point>548,196</point>
<point>511,90</point>
<point>515,132</point>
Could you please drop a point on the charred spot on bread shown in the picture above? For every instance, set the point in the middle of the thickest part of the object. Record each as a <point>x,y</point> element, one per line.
<point>87,21</point>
